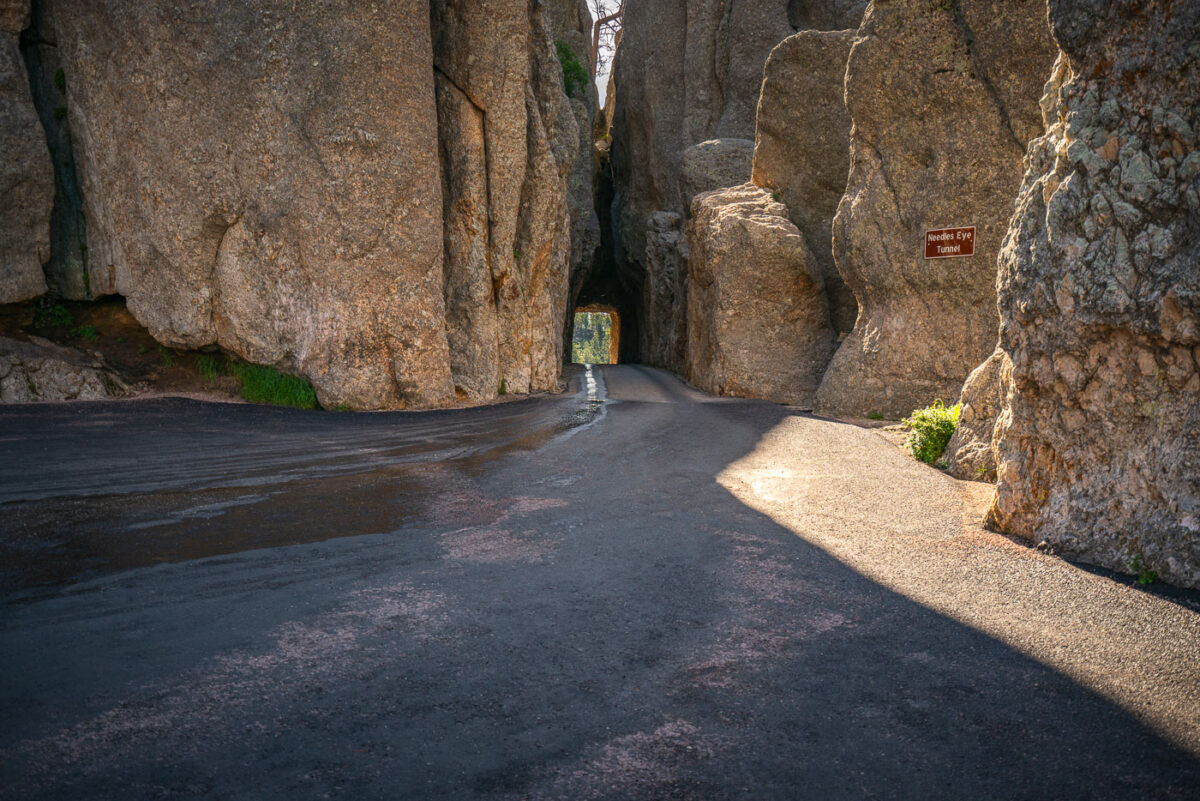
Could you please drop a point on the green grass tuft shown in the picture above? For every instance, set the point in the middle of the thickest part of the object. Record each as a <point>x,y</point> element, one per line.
<point>931,429</point>
<point>265,384</point>
<point>87,333</point>
<point>209,366</point>
<point>575,75</point>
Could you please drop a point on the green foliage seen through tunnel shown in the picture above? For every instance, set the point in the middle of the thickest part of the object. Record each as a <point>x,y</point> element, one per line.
<point>593,338</point>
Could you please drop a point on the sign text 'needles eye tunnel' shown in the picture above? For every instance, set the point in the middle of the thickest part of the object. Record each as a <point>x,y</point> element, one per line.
<point>946,243</point>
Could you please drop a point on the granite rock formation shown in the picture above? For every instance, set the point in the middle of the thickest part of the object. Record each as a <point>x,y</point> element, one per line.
<point>688,72</point>
<point>38,370</point>
<point>714,164</point>
<point>943,98</point>
<point>1098,444</point>
<point>510,141</point>
<point>757,327</point>
<point>26,176</point>
<point>272,187</point>
<point>372,195</point>
<point>802,146</point>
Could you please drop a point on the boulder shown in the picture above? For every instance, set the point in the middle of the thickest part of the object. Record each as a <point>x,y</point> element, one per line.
<point>37,370</point>
<point>757,327</point>
<point>802,146</point>
<point>969,454</point>
<point>26,175</point>
<point>943,98</point>
<point>715,164</point>
<point>1098,445</point>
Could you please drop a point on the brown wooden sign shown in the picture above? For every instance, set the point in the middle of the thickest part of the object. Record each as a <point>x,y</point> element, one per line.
<point>946,243</point>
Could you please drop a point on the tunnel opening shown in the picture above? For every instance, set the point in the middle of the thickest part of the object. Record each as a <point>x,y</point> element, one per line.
<point>604,286</point>
<point>596,338</point>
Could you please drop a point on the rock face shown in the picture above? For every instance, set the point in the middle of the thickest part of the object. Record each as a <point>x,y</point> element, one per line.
<point>26,176</point>
<point>372,195</point>
<point>802,146</point>
<point>67,273</point>
<point>757,327</point>
<point>39,370</point>
<point>944,99</point>
<point>825,15</point>
<point>1099,293</point>
<point>714,164</point>
<point>688,72</point>
<point>969,454</point>
<point>272,187</point>
<point>510,141</point>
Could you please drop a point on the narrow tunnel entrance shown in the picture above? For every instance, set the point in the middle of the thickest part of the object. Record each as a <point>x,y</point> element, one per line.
<point>596,338</point>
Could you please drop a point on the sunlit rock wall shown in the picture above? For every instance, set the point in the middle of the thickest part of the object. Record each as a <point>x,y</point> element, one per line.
<point>1098,442</point>
<point>943,98</point>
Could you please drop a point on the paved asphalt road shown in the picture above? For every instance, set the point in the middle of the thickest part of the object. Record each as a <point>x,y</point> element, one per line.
<point>649,594</point>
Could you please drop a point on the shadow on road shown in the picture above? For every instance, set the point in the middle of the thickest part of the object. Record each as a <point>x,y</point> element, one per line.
<point>594,618</point>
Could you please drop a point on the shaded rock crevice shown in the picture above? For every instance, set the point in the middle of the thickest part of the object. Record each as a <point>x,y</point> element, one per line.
<point>26,173</point>
<point>66,271</point>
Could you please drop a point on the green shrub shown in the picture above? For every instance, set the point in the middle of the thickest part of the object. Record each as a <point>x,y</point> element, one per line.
<point>87,333</point>
<point>50,316</point>
<point>931,429</point>
<point>264,384</point>
<point>575,75</point>
<point>1138,567</point>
